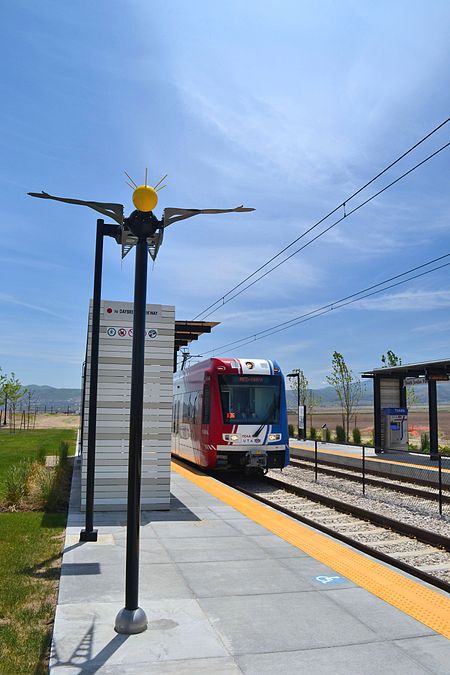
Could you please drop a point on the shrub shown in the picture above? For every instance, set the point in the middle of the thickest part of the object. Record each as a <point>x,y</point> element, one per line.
<point>41,455</point>
<point>312,433</point>
<point>356,435</point>
<point>63,453</point>
<point>444,449</point>
<point>424,442</point>
<point>327,434</point>
<point>340,435</point>
<point>17,481</point>
<point>371,440</point>
<point>50,488</point>
<point>291,430</point>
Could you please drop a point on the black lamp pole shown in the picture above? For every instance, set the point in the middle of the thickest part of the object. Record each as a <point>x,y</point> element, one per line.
<point>88,533</point>
<point>297,375</point>
<point>132,619</point>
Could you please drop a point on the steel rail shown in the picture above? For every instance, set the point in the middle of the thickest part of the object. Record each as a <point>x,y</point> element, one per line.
<point>346,473</point>
<point>403,528</point>
<point>371,470</point>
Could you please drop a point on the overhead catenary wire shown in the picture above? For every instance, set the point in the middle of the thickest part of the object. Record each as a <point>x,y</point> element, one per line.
<point>337,304</point>
<point>333,225</point>
<point>225,298</point>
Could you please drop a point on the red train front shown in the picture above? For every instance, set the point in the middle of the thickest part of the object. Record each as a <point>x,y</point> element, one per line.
<point>231,413</point>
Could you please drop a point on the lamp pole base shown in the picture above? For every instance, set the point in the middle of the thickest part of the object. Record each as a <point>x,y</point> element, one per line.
<point>88,535</point>
<point>131,621</point>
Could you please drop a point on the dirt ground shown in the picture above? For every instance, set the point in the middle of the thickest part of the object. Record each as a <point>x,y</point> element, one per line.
<point>50,421</point>
<point>418,422</point>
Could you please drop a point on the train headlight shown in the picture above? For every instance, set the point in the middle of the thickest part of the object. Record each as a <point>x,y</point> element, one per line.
<point>274,437</point>
<point>234,437</point>
<point>231,437</point>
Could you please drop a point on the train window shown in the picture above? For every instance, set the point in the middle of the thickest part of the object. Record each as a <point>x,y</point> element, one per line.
<point>206,404</point>
<point>250,399</point>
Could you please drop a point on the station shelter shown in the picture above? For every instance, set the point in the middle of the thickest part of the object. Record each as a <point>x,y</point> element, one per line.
<point>390,401</point>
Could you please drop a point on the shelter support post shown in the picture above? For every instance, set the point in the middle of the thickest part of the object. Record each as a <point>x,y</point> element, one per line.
<point>402,390</point>
<point>376,414</point>
<point>433,419</point>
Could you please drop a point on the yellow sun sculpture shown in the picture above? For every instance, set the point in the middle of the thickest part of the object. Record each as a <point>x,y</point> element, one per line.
<point>145,197</point>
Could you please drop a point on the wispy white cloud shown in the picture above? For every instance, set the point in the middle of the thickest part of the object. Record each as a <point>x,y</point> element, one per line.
<point>33,263</point>
<point>407,301</point>
<point>437,327</point>
<point>11,300</point>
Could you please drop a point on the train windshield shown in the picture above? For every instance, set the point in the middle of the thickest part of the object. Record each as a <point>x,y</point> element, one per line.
<point>250,399</point>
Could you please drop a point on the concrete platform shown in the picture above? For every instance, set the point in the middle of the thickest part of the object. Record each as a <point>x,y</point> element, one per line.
<point>223,595</point>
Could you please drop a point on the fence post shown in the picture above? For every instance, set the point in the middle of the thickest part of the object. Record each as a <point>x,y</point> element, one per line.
<point>364,469</point>
<point>440,483</point>
<point>315,459</point>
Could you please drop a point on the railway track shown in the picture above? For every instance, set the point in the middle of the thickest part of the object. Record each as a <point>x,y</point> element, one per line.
<point>418,552</point>
<point>404,485</point>
<point>369,469</point>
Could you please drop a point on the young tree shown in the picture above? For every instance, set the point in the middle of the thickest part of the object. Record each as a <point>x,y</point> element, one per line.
<point>306,396</point>
<point>3,395</point>
<point>14,391</point>
<point>390,360</point>
<point>313,401</point>
<point>348,389</point>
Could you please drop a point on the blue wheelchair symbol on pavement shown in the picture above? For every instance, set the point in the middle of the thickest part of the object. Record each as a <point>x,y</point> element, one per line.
<point>324,579</point>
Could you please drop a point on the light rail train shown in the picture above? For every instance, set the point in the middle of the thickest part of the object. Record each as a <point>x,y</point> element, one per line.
<point>230,413</point>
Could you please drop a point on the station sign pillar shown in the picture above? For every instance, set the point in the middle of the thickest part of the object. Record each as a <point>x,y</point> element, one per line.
<point>113,407</point>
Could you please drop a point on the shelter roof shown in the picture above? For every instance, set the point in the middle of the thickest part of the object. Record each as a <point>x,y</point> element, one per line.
<point>424,368</point>
<point>187,331</point>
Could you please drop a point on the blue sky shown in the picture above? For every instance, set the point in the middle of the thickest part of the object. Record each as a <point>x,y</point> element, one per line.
<point>284,106</point>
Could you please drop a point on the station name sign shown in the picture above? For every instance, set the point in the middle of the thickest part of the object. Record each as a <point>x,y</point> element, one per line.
<point>409,381</point>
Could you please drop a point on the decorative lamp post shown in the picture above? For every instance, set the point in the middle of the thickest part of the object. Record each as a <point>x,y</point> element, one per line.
<point>301,409</point>
<point>143,230</point>
<point>297,375</point>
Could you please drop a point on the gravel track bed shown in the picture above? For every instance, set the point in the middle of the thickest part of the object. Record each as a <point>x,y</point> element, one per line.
<point>417,554</point>
<point>411,510</point>
<point>383,481</point>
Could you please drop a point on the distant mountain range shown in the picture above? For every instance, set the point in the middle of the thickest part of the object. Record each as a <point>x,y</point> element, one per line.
<point>53,399</point>
<point>328,396</point>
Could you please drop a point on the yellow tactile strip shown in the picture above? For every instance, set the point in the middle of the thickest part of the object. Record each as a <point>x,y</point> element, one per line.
<point>418,601</point>
<point>369,459</point>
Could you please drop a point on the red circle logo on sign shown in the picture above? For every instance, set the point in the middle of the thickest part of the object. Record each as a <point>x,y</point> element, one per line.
<point>109,310</point>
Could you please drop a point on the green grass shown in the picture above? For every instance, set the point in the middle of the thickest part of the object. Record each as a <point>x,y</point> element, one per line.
<point>25,445</point>
<point>30,548</point>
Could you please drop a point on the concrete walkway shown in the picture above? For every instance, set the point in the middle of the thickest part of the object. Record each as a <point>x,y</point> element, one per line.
<point>224,596</point>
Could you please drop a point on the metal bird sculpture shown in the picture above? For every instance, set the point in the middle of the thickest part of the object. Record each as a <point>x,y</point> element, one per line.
<point>142,220</point>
